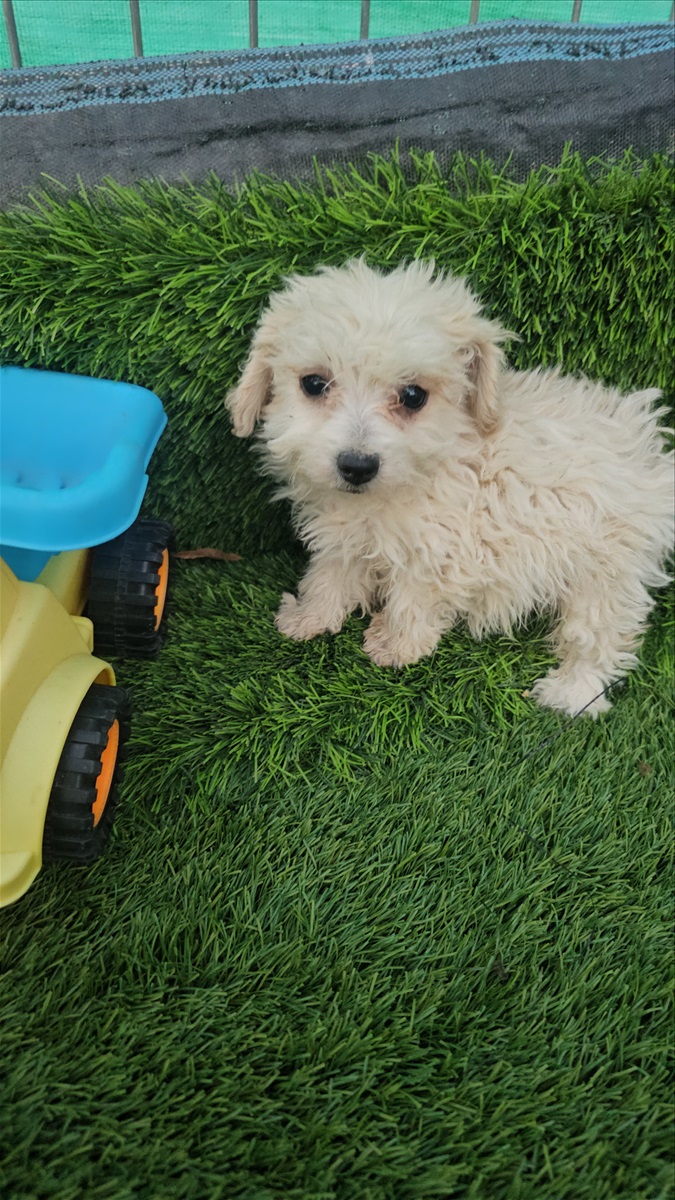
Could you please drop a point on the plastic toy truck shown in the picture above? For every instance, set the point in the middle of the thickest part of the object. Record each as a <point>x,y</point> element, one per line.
<point>80,579</point>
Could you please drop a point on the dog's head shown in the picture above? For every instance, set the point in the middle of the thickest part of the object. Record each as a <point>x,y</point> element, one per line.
<point>364,381</point>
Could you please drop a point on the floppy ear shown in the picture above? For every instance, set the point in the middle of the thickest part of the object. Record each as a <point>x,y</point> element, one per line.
<point>246,401</point>
<point>484,362</point>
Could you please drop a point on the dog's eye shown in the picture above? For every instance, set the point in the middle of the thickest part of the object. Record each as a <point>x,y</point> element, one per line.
<point>413,397</point>
<point>314,385</point>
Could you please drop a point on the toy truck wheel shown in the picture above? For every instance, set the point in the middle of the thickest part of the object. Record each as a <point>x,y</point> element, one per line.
<point>84,793</point>
<point>128,591</point>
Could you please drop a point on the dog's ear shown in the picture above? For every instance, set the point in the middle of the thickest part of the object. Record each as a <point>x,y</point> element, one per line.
<point>483,362</point>
<point>246,401</point>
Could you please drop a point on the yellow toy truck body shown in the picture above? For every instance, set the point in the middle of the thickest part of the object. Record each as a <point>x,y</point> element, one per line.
<point>46,669</point>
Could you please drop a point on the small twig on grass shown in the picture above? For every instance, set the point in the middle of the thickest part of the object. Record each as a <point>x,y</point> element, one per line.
<point>209,552</point>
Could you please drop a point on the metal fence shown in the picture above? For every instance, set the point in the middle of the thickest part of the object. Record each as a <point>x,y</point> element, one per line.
<point>473,15</point>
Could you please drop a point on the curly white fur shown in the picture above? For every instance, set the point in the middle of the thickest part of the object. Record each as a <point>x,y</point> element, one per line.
<point>507,492</point>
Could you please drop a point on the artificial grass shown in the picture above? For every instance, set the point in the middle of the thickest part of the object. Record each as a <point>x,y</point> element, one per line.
<point>360,934</point>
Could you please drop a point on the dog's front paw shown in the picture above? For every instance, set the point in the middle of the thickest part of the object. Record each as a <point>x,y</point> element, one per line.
<point>301,621</point>
<point>571,694</point>
<point>390,650</point>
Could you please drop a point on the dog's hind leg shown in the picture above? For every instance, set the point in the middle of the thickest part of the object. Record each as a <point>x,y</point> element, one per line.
<point>595,640</point>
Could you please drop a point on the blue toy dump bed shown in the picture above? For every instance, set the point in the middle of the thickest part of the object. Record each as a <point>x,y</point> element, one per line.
<point>73,459</point>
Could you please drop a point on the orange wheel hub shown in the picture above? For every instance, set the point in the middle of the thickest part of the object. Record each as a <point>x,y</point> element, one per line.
<point>160,592</point>
<point>105,778</point>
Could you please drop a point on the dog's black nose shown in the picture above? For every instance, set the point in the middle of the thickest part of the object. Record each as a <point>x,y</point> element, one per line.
<point>357,468</point>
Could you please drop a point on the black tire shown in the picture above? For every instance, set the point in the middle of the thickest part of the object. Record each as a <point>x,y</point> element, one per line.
<point>126,577</point>
<point>74,830</point>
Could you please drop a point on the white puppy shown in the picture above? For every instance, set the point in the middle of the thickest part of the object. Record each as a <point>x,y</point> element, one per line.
<point>432,484</point>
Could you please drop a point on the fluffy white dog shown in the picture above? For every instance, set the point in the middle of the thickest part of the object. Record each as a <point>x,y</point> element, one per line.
<point>432,484</point>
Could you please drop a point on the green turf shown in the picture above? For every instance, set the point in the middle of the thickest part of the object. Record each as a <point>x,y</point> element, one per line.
<point>361,935</point>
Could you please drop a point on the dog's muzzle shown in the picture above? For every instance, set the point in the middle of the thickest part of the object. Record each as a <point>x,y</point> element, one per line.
<point>356,468</point>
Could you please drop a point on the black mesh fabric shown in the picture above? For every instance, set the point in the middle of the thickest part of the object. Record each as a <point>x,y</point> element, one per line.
<point>507,89</point>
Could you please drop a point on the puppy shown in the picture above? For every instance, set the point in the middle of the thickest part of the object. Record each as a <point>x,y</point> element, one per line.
<point>432,484</point>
